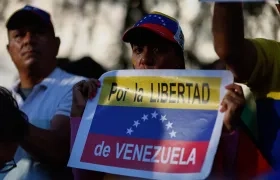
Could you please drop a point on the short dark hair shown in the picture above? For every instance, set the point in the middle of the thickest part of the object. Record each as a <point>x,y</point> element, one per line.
<point>13,122</point>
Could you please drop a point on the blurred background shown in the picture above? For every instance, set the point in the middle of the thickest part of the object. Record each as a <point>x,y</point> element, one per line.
<point>91,30</point>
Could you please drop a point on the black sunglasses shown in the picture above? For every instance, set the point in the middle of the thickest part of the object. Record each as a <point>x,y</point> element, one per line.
<point>8,167</point>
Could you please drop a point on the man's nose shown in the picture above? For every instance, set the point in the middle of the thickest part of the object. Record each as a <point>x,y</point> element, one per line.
<point>28,37</point>
<point>148,57</point>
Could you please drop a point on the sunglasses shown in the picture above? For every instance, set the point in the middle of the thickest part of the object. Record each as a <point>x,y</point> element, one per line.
<point>8,167</point>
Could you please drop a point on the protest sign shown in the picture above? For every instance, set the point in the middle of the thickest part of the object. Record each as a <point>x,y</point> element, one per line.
<point>154,124</point>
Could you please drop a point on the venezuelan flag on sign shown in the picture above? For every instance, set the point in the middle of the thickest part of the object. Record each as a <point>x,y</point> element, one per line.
<point>162,137</point>
<point>144,128</point>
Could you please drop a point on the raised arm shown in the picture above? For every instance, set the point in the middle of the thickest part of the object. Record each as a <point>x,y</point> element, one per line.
<point>230,45</point>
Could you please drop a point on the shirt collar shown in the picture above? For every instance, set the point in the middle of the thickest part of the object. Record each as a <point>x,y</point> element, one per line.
<point>50,79</point>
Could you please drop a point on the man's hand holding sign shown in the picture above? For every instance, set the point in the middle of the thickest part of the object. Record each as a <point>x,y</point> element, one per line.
<point>83,91</point>
<point>232,105</point>
<point>161,125</point>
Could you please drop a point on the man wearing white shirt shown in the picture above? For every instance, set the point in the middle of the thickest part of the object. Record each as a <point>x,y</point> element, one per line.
<point>44,94</point>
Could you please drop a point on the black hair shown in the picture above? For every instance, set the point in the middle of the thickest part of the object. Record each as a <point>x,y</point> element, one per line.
<point>13,122</point>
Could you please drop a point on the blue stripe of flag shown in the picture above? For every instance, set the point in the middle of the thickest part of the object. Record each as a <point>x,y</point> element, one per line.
<point>189,125</point>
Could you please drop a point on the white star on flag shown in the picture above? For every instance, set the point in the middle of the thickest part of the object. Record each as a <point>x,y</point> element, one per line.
<point>145,117</point>
<point>169,125</point>
<point>154,114</point>
<point>136,123</point>
<point>172,134</point>
<point>163,118</point>
<point>129,131</point>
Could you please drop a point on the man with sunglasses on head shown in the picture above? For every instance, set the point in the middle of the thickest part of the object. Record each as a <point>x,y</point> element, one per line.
<point>13,126</point>
<point>255,62</point>
<point>44,94</point>
<point>157,42</point>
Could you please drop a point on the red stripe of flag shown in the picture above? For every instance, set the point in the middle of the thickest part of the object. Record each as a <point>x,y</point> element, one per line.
<point>142,154</point>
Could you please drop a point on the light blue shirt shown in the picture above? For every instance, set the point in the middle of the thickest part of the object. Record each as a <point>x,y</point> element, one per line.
<point>53,96</point>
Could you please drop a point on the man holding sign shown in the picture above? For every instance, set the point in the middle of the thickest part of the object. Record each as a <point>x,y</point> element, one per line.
<point>157,43</point>
<point>153,48</point>
<point>255,62</point>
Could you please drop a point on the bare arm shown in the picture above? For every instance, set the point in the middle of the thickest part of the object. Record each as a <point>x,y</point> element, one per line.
<point>49,146</point>
<point>230,45</point>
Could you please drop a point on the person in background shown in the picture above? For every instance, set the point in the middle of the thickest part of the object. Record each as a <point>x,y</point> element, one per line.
<point>255,62</point>
<point>43,92</point>
<point>13,127</point>
<point>157,42</point>
<point>85,66</point>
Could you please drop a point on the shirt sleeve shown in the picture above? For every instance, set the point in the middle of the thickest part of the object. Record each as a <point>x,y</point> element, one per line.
<point>64,107</point>
<point>267,68</point>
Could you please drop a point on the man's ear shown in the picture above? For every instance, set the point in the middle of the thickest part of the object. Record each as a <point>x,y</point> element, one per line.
<point>57,45</point>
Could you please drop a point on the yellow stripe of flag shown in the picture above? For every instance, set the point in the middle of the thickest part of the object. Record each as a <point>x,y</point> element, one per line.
<point>161,92</point>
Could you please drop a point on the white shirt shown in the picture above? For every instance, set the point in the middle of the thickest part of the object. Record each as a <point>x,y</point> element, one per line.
<point>53,96</point>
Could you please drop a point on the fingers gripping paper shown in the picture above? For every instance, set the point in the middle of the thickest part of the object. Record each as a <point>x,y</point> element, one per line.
<point>155,124</point>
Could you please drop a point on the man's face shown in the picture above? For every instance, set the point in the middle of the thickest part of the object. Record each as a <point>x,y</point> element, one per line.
<point>32,45</point>
<point>150,51</point>
<point>7,152</point>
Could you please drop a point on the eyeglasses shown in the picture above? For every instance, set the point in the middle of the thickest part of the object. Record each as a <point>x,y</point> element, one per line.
<point>8,167</point>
